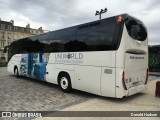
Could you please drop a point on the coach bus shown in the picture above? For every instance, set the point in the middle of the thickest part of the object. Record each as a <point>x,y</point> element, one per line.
<point>108,57</point>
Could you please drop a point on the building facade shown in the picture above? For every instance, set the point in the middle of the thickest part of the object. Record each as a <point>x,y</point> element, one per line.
<point>9,33</point>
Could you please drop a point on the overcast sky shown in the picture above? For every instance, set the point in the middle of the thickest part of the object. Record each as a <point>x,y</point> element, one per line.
<point>56,14</point>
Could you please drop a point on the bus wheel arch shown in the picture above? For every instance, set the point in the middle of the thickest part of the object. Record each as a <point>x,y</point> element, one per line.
<point>16,71</point>
<point>64,81</point>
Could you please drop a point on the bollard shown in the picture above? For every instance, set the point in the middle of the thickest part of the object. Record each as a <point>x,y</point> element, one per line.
<point>157,92</point>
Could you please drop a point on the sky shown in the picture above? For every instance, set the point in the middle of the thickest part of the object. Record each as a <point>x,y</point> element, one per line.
<point>56,14</point>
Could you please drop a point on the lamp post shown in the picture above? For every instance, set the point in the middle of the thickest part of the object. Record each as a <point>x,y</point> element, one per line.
<point>101,12</point>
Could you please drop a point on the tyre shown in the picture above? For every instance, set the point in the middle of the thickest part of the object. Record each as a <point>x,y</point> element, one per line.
<point>17,73</point>
<point>65,83</point>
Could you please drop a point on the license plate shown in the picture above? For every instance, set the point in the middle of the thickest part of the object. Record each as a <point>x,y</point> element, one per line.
<point>135,83</point>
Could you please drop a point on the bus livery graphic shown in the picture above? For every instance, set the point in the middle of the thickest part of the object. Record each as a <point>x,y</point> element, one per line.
<point>33,65</point>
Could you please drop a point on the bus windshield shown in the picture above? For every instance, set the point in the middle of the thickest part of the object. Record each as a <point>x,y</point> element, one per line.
<point>135,28</point>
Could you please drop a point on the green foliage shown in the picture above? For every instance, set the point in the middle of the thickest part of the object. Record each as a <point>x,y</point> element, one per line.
<point>154,62</point>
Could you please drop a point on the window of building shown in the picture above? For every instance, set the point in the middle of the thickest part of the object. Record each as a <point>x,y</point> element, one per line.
<point>9,27</point>
<point>15,28</point>
<point>9,35</point>
<point>22,29</point>
<point>31,31</point>
<point>15,36</point>
<point>40,32</point>
<point>2,26</point>
<point>3,59</point>
<point>2,44</point>
<point>2,35</point>
<point>27,30</point>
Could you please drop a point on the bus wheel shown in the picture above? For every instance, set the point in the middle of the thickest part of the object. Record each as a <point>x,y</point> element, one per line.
<point>17,73</point>
<point>65,83</point>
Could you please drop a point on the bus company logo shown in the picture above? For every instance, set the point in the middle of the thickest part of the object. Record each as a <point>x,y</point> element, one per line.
<point>133,57</point>
<point>69,57</point>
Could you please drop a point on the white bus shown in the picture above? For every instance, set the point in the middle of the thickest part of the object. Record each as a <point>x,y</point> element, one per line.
<point>108,57</point>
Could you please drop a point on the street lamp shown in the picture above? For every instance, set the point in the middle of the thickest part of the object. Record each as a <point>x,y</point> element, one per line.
<point>101,12</point>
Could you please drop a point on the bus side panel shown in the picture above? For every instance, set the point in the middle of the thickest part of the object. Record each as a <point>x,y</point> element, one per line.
<point>108,75</point>
<point>101,58</point>
<point>50,76</point>
<point>15,61</point>
<point>88,73</point>
<point>50,69</point>
<point>108,82</point>
<point>88,79</point>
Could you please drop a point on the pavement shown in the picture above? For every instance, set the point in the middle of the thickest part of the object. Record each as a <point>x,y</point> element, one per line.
<point>144,101</point>
<point>25,94</point>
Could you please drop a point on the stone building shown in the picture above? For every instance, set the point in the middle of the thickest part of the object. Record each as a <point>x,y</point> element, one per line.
<point>9,33</point>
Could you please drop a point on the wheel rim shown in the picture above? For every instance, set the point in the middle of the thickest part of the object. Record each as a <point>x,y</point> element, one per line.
<point>64,83</point>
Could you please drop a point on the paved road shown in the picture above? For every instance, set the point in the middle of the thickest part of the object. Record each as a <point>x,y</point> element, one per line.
<point>144,101</point>
<point>24,94</point>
